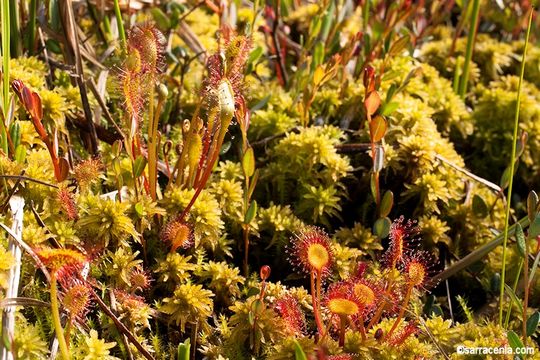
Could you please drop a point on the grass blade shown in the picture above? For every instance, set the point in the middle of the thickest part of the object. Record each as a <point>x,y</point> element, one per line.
<point>120,24</point>
<point>31,27</point>
<point>476,255</point>
<point>470,47</point>
<point>6,56</point>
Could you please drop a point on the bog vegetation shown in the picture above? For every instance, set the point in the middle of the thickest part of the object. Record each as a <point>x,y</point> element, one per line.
<point>280,179</point>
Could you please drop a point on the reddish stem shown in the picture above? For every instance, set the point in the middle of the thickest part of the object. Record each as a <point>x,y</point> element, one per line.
<point>342,326</point>
<point>315,305</point>
<point>362,328</point>
<point>401,311</point>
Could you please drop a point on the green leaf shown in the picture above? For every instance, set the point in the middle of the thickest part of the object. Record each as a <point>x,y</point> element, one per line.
<point>327,21</point>
<point>390,93</point>
<point>20,154</point>
<point>430,301</point>
<point>15,132</point>
<point>162,20</point>
<point>257,306</point>
<point>514,341</point>
<point>534,228</point>
<point>255,55</point>
<point>520,240</point>
<point>315,26</point>
<point>262,103</point>
<point>139,165</point>
<point>373,186</point>
<point>253,183</point>
<point>495,282</point>
<point>318,54</point>
<point>505,178</point>
<point>532,323</point>
<point>381,228</point>
<point>248,162</point>
<point>386,203</point>
<point>184,350</point>
<point>479,207</point>
<point>225,148</point>
<point>389,108</point>
<point>398,46</point>
<point>514,297</point>
<point>53,46</point>
<point>139,210</point>
<point>54,15</point>
<point>532,204</point>
<point>250,214</point>
<point>534,267</point>
<point>299,354</point>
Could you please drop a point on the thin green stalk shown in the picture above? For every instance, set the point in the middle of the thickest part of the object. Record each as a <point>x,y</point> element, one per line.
<point>6,56</point>
<point>470,47</point>
<point>56,320</point>
<point>457,75</point>
<point>366,15</point>
<point>120,23</point>
<point>31,27</point>
<point>512,166</point>
<point>5,53</point>
<point>15,40</point>
<point>526,295</point>
<point>153,142</point>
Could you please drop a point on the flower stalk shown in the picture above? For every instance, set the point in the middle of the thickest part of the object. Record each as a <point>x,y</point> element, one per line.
<point>512,168</point>
<point>464,79</point>
<point>6,56</point>
<point>62,344</point>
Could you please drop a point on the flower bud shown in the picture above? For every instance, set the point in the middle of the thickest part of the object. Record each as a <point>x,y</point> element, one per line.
<point>162,91</point>
<point>265,272</point>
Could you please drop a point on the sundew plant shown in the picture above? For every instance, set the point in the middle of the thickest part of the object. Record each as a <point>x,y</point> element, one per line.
<point>278,179</point>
